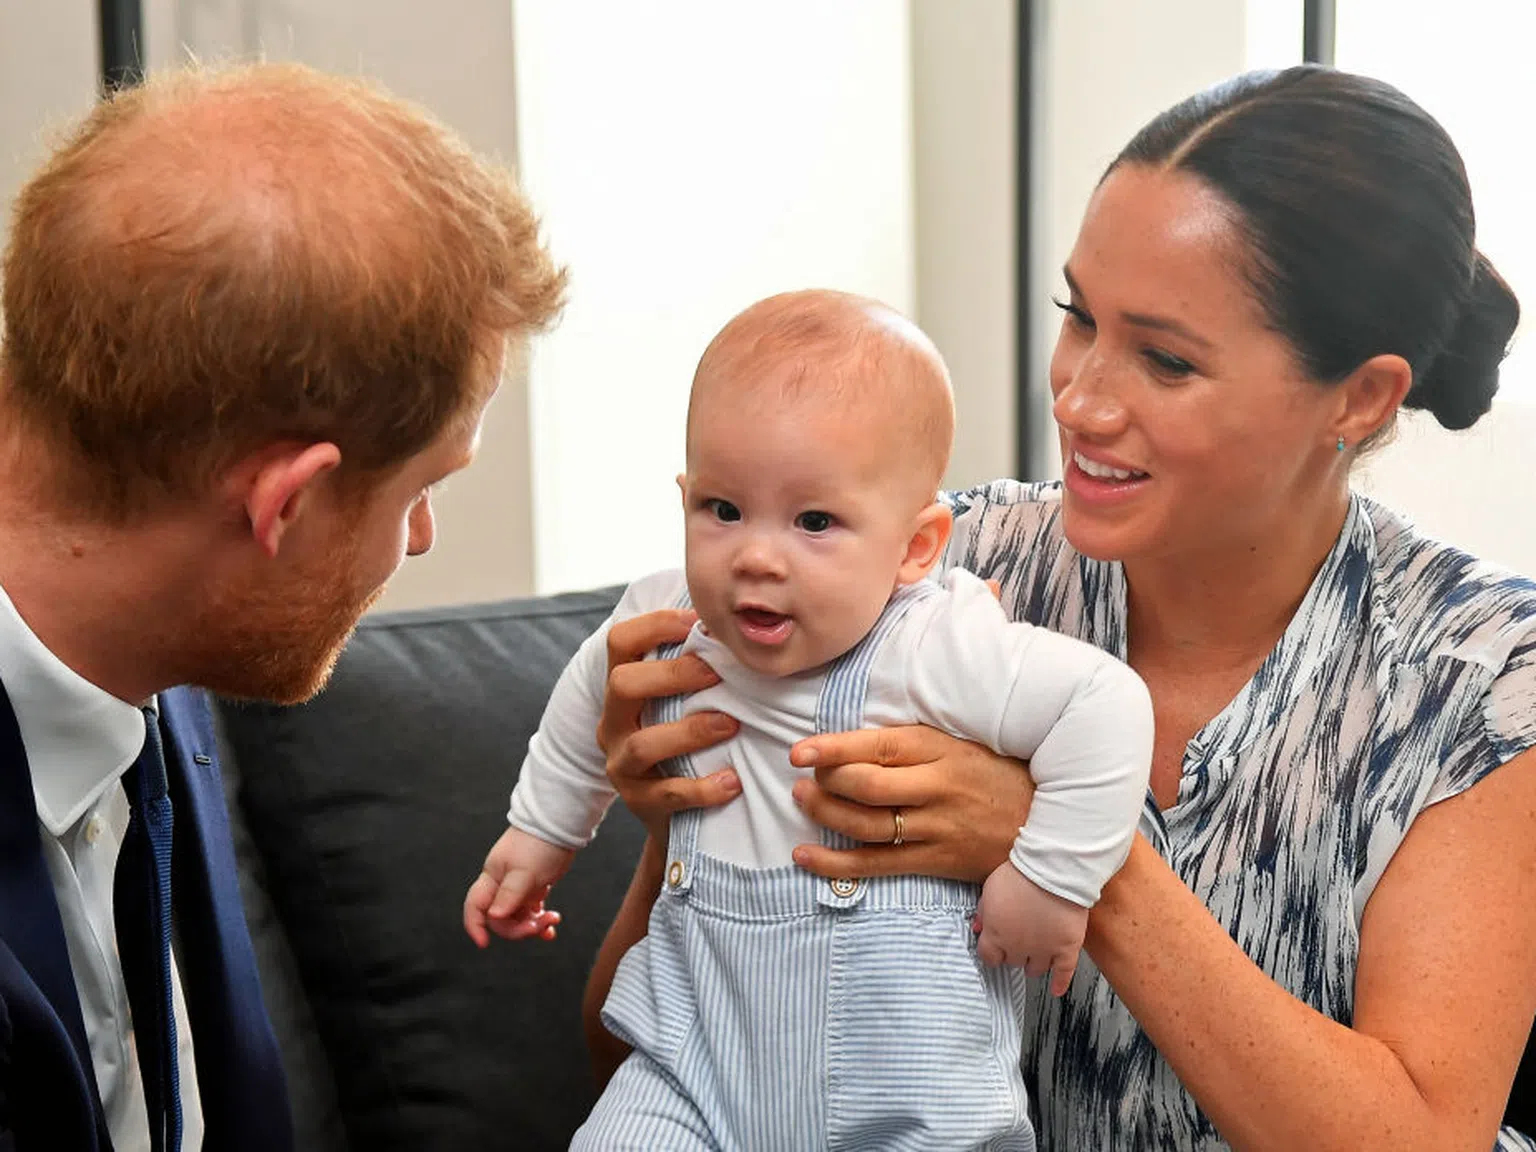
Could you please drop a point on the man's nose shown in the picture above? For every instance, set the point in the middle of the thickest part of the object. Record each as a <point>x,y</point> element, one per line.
<point>422,527</point>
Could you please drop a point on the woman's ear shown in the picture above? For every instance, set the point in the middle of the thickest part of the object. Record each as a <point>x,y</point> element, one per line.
<point>930,534</point>
<point>1370,397</point>
<point>275,485</point>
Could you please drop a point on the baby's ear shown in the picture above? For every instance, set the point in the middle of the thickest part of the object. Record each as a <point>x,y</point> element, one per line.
<point>930,534</point>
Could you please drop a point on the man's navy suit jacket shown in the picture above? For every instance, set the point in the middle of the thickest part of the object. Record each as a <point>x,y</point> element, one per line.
<point>48,1096</point>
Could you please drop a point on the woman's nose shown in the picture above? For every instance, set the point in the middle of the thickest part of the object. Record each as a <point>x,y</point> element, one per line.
<point>1089,400</point>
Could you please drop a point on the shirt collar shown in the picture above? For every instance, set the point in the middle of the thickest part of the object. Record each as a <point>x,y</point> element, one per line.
<point>79,738</point>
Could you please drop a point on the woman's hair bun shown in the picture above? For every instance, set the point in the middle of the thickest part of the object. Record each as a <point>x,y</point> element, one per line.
<point>1459,384</point>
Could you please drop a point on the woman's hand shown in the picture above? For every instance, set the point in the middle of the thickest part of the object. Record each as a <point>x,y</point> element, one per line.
<point>634,751</point>
<point>960,804</point>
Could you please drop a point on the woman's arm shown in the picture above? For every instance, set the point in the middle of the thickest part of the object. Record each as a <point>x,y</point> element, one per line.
<point>633,751</point>
<point>1444,993</point>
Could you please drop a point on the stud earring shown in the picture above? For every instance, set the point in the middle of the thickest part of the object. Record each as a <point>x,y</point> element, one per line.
<point>1340,444</point>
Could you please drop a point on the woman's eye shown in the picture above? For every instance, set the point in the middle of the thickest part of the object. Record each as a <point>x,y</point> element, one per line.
<point>723,510</point>
<point>1167,364</point>
<point>1075,315</point>
<point>813,522</point>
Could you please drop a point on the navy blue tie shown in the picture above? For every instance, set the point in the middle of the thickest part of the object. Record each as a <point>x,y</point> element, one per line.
<point>141,894</point>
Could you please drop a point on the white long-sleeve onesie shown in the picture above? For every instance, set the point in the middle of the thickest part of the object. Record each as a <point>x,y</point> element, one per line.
<point>954,661</point>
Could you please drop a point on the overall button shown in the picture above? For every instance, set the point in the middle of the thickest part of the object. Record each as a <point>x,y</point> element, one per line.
<point>843,886</point>
<point>675,874</point>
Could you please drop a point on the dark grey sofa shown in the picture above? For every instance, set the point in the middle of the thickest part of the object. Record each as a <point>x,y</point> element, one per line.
<point>361,817</point>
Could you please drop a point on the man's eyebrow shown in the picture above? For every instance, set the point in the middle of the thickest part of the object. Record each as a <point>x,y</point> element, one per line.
<point>1144,319</point>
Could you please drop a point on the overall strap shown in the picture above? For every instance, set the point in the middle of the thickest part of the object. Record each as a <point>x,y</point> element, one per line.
<point>841,709</point>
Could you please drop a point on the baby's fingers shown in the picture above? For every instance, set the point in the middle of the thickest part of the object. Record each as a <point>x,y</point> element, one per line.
<point>527,923</point>
<point>476,901</point>
<point>513,893</point>
<point>1063,965</point>
<point>991,952</point>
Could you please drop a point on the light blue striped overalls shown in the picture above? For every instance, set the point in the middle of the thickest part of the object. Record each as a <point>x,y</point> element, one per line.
<point>770,1009</point>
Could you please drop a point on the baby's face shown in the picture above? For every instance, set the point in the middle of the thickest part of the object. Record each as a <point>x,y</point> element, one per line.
<point>797,521</point>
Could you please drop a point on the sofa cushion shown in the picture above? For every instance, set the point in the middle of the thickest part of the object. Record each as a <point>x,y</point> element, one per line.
<point>372,807</point>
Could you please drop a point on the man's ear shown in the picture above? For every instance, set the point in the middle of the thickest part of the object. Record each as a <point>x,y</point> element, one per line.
<point>274,486</point>
<point>1370,397</point>
<point>930,533</point>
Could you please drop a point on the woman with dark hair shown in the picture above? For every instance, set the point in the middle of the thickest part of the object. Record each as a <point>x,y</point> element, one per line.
<point>1322,937</point>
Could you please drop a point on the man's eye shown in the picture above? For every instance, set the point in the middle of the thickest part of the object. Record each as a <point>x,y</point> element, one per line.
<point>813,522</point>
<point>723,510</point>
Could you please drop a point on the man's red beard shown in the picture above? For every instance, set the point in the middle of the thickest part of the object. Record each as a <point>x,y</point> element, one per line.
<point>280,644</point>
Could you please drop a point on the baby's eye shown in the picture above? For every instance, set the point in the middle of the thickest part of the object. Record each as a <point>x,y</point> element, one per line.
<point>723,510</point>
<point>813,522</point>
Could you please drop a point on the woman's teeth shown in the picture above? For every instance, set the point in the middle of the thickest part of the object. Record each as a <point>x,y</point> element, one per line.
<point>1104,471</point>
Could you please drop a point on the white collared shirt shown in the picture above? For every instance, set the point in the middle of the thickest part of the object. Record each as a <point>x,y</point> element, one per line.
<point>79,741</point>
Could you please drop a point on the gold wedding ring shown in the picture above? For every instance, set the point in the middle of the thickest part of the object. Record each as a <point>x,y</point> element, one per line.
<point>900,834</point>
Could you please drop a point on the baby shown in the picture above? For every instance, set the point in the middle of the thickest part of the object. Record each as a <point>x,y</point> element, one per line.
<point>769,1008</point>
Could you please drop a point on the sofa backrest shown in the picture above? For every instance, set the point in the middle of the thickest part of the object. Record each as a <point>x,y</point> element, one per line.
<point>368,812</point>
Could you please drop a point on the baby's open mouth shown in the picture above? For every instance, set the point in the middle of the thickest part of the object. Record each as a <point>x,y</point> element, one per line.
<point>762,626</point>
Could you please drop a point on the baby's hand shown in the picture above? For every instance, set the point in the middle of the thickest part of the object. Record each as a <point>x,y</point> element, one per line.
<point>508,896</point>
<point>1024,925</point>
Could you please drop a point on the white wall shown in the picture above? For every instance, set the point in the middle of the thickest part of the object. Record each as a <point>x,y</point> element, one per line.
<point>691,157</point>
<point>1472,488</point>
<point>455,58</point>
<point>964,91</point>
<point>48,69</point>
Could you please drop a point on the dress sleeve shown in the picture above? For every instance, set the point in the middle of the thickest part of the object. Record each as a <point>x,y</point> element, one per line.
<point>562,791</point>
<point>1500,728</point>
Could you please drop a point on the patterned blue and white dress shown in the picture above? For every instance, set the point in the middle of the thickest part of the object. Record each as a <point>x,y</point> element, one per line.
<point>1407,674</point>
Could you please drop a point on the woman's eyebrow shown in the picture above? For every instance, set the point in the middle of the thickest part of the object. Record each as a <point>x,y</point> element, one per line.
<point>1144,319</point>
